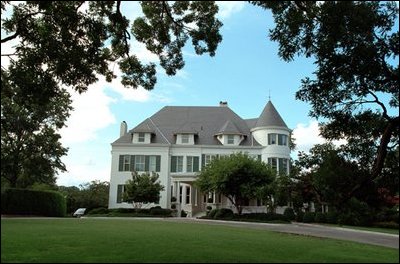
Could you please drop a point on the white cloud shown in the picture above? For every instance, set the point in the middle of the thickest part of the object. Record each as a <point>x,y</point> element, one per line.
<point>91,113</point>
<point>308,135</point>
<point>228,8</point>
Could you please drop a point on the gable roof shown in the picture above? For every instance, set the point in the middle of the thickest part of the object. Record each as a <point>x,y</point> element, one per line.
<point>229,128</point>
<point>270,117</point>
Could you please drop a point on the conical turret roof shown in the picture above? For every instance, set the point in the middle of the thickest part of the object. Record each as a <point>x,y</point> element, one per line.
<point>270,117</point>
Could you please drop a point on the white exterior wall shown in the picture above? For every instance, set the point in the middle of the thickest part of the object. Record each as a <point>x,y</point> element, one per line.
<point>120,177</point>
<point>272,151</point>
<point>166,151</point>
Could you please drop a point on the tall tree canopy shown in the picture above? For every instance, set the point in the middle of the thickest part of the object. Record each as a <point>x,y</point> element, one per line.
<point>355,90</point>
<point>78,40</point>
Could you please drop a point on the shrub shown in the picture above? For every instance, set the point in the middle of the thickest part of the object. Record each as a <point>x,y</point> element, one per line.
<point>289,214</point>
<point>331,217</point>
<point>100,210</point>
<point>309,217</point>
<point>212,213</point>
<point>157,210</point>
<point>183,213</point>
<point>320,217</point>
<point>392,225</point>
<point>32,202</point>
<point>223,213</point>
<point>299,216</point>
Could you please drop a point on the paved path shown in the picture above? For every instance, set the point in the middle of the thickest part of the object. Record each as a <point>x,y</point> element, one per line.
<point>368,237</point>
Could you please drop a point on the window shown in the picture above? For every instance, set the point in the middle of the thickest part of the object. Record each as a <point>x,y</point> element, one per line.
<point>141,137</point>
<point>231,139</point>
<point>283,166</point>
<point>140,161</point>
<point>177,164</point>
<point>120,193</point>
<point>127,163</point>
<point>282,140</point>
<point>208,158</point>
<point>152,163</point>
<point>192,164</point>
<point>272,162</point>
<point>272,139</point>
<point>185,138</point>
<point>188,195</point>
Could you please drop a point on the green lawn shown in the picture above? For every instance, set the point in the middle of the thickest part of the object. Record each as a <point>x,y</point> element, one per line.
<point>128,240</point>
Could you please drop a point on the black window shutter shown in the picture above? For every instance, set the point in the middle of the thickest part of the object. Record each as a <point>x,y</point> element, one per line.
<point>146,163</point>
<point>203,160</point>
<point>121,163</point>
<point>173,164</point>
<point>195,164</point>
<point>158,163</point>
<point>132,162</point>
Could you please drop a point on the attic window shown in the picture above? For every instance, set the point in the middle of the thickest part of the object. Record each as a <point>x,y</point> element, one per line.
<point>231,139</point>
<point>185,138</point>
<point>141,137</point>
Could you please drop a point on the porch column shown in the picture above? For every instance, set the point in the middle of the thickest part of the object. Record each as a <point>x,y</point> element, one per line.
<point>178,194</point>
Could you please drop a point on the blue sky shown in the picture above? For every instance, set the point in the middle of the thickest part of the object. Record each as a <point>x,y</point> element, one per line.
<point>244,72</point>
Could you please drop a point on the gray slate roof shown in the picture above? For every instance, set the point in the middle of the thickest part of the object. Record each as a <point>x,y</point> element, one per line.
<point>205,122</point>
<point>270,117</point>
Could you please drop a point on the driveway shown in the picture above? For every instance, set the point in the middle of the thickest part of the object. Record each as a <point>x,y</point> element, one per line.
<point>367,237</point>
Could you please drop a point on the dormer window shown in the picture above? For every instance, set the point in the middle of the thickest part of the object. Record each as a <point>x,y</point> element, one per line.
<point>230,139</point>
<point>141,137</point>
<point>185,138</point>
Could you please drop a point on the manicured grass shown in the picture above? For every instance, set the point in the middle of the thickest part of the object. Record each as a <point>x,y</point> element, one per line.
<point>134,240</point>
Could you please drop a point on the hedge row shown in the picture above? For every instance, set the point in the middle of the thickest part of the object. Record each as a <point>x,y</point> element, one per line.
<point>32,202</point>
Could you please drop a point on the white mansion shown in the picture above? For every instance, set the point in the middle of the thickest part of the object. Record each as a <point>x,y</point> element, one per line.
<point>177,141</point>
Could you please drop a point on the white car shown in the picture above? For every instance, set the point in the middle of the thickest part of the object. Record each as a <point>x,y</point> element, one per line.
<point>79,212</point>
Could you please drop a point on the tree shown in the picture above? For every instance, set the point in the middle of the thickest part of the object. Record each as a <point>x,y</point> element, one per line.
<point>77,40</point>
<point>356,50</point>
<point>33,108</point>
<point>238,177</point>
<point>89,195</point>
<point>143,188</point>
<point>331,175</point>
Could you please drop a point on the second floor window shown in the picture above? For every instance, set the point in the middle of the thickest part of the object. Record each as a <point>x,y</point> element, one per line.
<point>192,164</point>
<point>140,161</point>
<point>177,164</point>
<point>282,139</point>
<point>272,139</point>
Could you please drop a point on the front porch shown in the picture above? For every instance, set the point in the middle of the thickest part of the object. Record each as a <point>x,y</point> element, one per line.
<point>191,200</point>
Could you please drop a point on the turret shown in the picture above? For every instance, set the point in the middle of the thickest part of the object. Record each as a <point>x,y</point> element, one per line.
<point>272,132</point>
